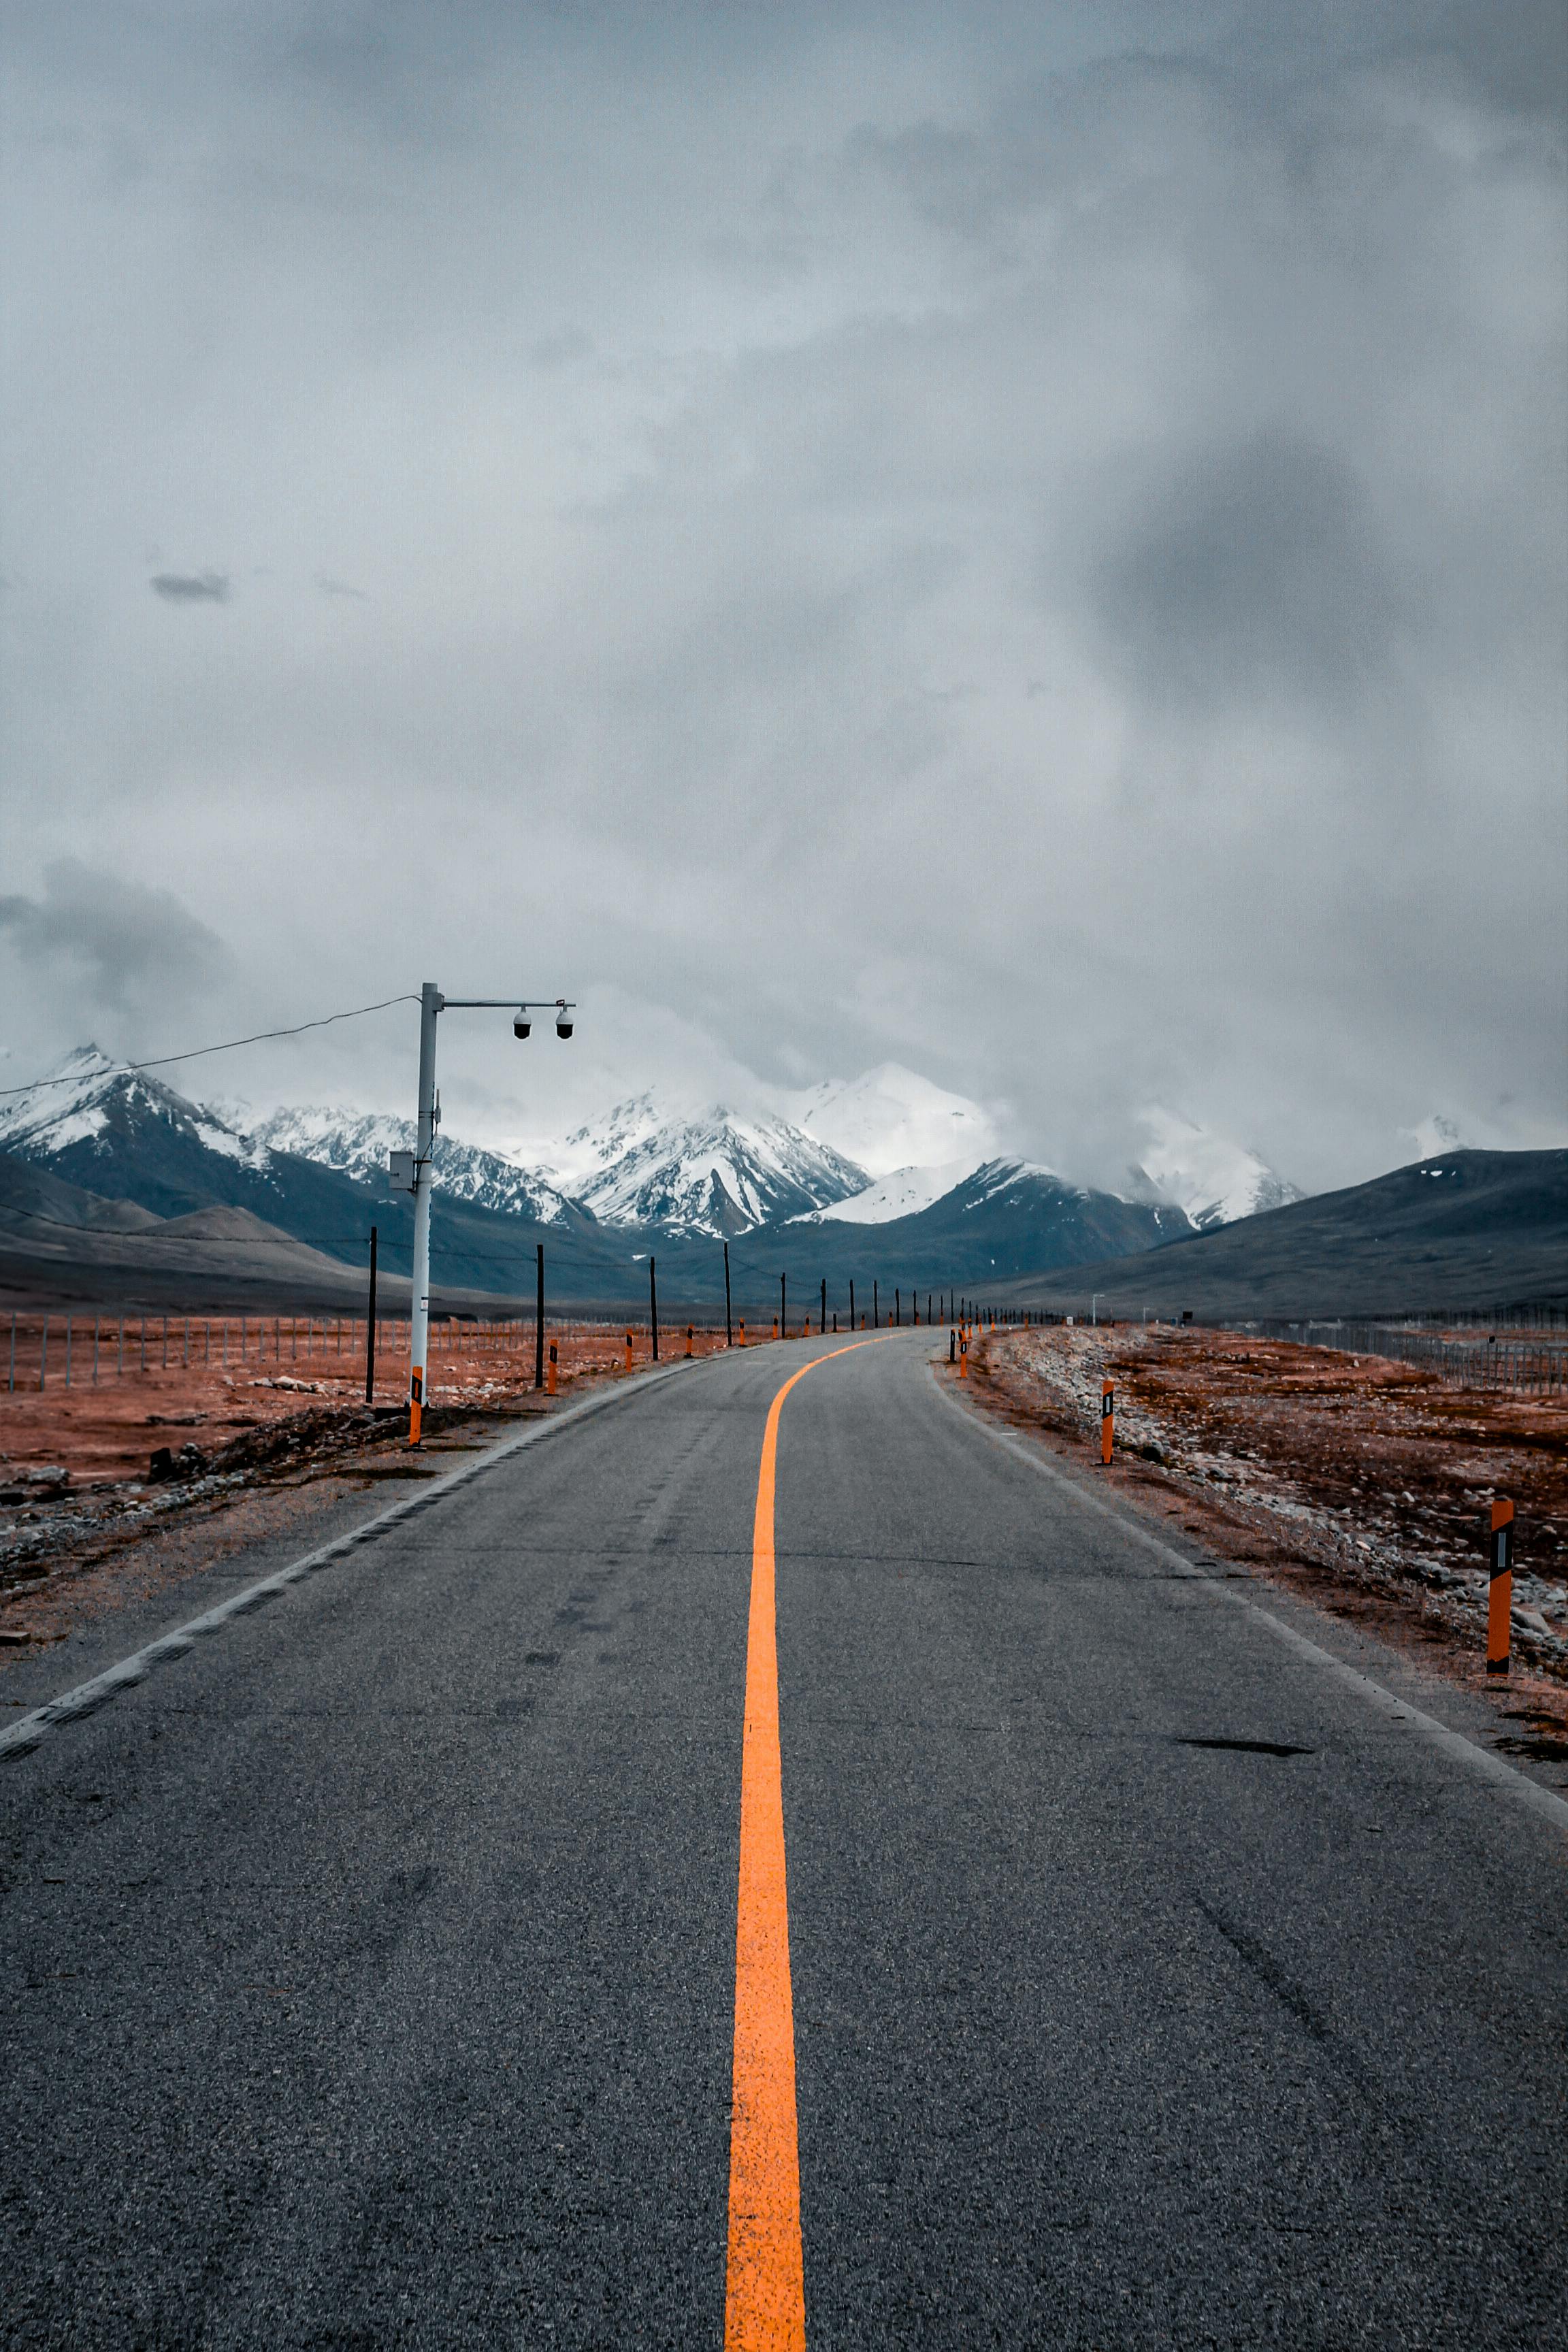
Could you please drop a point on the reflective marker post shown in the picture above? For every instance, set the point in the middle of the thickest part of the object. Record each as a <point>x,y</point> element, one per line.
<point>1106,1420</point>
<point>1499,1586</point>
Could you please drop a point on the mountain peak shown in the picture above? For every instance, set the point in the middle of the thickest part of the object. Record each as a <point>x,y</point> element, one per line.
<point>90,1109</point>
<point>890,1119</point>
<point>1214,1179</point>
<point>712,1170</point>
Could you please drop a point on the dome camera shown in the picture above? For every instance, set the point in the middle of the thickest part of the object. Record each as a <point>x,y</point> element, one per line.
<point>522,1025</point>
<point>564,1028</point>
<point>563,1018</point>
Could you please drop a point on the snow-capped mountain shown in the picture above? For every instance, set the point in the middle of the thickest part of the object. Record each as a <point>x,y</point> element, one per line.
<point>714,1173</point>
<point>87,1109</point>
<point>589,1151</point>
<point>121,1136</point>
<point>1213,1178</point>
<point>358,1147</point>
<point>890,1120</point>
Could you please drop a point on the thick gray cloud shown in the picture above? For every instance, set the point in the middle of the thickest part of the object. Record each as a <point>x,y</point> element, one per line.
<point>1025,540</point>
<point>1254,572</point>
<point>191,587</point>
<point>116,950</point>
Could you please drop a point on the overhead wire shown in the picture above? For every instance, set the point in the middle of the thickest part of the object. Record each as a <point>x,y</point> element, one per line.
<point>162,1061</point>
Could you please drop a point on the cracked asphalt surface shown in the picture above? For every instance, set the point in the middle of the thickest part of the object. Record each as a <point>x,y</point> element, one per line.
<point>368,1973</point>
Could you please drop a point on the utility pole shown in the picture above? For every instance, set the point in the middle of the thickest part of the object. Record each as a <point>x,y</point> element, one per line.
<point>539,1322</point>
<point>369,1329</point>
<point>729,1335</point>
<point>412,1168</point>
<point>653,1305</point>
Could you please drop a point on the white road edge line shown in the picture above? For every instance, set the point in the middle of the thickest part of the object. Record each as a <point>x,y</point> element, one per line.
<point>21,1737</point>
<point>1426,1728</point>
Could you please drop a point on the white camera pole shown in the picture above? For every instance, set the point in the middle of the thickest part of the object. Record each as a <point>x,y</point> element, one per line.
<point>430,1003</point>
<point>412,1169</point>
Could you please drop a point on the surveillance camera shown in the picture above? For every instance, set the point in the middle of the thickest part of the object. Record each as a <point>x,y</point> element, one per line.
<point>564,1028</point>
<point>521,1026</point>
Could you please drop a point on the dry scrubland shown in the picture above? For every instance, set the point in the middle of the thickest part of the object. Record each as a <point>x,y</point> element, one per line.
<point>1362,1482</point>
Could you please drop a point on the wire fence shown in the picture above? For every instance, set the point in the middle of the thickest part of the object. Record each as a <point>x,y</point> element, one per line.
<point>1531,1364</point>
<point>49,1351</point>
<point>71,1350</point>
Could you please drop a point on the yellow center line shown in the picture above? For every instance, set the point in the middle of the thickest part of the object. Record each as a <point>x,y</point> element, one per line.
<point>765,2286</point>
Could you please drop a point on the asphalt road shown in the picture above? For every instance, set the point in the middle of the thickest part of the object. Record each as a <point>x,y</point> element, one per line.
<point>367,1974</point>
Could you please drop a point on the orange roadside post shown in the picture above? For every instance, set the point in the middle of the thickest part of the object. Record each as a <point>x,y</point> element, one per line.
<point>775,1326</point>
<point>1107,1419</point>
<point>550,1375</point>
<point>1499,1586</point>
<point>743,1330</point>
<point>963,1358</point>
<point>629,1352</point>
<point>689,1339</point>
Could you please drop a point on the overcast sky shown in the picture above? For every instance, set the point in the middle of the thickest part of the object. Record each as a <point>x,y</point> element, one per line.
<point>1025,539</point>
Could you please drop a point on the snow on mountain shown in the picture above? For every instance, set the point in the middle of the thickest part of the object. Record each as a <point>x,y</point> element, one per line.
<point>358,1147</point>
<point>904,1194</point>
<point>89,1095</point>
<point>1213,1178</point>
<point>591,1149</point>
<point>705,1169</point>
<point>994,1176</point>
<point>890,1120</point>
<point>712,1173</point>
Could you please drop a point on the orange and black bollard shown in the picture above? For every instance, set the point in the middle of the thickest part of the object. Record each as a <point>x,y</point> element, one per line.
<point>963,1358</point>
<point>1499,1587</point>
<point>1106,1420</point>
<point>742,1331</point>
<point>689,1339</point>
<point>550,1374</point>
<point>775,1326</point>
<point>629,1352</point>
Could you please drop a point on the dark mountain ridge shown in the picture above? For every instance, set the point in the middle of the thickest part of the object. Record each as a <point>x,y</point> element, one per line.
<point>1459,1230</point>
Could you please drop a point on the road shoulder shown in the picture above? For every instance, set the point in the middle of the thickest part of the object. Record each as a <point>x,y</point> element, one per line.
<point>1523,1728</point>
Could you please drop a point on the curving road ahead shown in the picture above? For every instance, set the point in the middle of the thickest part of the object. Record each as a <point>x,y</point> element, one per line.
<point>369,1970</point>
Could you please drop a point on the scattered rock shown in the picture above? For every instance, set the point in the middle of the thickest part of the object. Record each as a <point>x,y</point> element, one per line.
<point>190,1461</point>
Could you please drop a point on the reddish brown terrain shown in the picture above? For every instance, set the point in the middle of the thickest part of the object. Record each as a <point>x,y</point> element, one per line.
<point>1364,1483</point>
